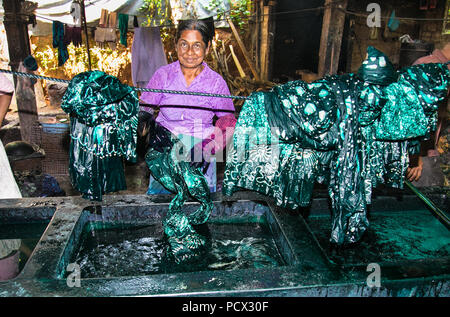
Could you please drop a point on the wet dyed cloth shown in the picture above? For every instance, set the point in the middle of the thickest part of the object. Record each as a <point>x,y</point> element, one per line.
<point>166,158</point>
<point>350,132</point>
<point>103,126</point>
<point>155,188</point>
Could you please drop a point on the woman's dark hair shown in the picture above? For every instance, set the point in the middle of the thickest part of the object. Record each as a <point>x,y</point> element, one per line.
<point>204,26</point>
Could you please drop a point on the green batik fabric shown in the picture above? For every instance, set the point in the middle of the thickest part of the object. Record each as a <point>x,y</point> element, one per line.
<point>313,128</point>
<point>408,110</point>
<point>297,134</point>
<point>103,114</point>
<point>168,165</point>
<point>377,69</point>
<point>407,116</point>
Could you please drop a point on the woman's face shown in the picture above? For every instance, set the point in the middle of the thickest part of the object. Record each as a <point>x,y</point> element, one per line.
<point>191,49</point>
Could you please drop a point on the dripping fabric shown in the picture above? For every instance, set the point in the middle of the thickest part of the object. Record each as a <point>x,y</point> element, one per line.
<point>103,125</point>
<point>342,131</point>
<point>169,163</point>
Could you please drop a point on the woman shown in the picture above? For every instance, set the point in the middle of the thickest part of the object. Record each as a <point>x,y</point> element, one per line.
<point>190,117</point>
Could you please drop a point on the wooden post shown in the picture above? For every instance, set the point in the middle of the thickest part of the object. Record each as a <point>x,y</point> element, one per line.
<point>83,13</point>
<point>19,48</point>
<point>267,41</point>
<point>351,38</point>
<point>331,39</point>
<point>254,29</point>
<point>16,33</point>
<point>272,30</point>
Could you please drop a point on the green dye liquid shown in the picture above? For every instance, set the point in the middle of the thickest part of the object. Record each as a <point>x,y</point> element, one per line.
<point>28,234</point>
<point>114,251</point>
<point>391,237</point>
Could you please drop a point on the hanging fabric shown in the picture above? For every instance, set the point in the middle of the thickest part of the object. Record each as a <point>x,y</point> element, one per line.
<point>103,125</point>
<point>123,28</point>
<point>72,34</point>
<point>105,33</point>
<point>147,55</point>
<point>58,42</point>
<point>75,12</point>
<point>338,131</point>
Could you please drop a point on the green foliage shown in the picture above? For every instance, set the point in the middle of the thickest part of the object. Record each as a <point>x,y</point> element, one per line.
<point>240,12</point>
<point>158,12</point>
<point>109,61</point>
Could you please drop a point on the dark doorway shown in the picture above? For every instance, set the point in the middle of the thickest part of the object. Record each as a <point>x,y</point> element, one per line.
<point>297,38</point>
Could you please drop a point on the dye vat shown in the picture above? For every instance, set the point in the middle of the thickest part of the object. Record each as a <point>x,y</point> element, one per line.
<point>393,236</point>
<point>21,237</point>
<point>108,250</point>
<point>114,242</point>
<point>117,248</point>
<point>20,231</point>
<point>404,238</point>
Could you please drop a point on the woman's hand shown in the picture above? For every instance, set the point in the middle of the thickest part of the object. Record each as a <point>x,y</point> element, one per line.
<point>414,173</point>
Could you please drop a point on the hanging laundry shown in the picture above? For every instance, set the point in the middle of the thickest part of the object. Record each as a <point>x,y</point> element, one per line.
<point>147,55</point>
<point>72,34</point>
<point>75,12</point>
<point>103,128</point>
<point>123,28</point>
<point>103,23</point>
<point>393,22</point>
<point>112,20</point>
<point>58,42</point>
<point>106,31</point>
<point>333,131</point>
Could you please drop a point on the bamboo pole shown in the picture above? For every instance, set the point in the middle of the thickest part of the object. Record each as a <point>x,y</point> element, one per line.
<point>243,49</point>
<point>83,12</point>
<point>236,61</point>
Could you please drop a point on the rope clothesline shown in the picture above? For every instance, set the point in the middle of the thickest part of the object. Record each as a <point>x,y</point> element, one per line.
<point>346,11</point>
<point>165,91</point>
<point>179,92</point>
